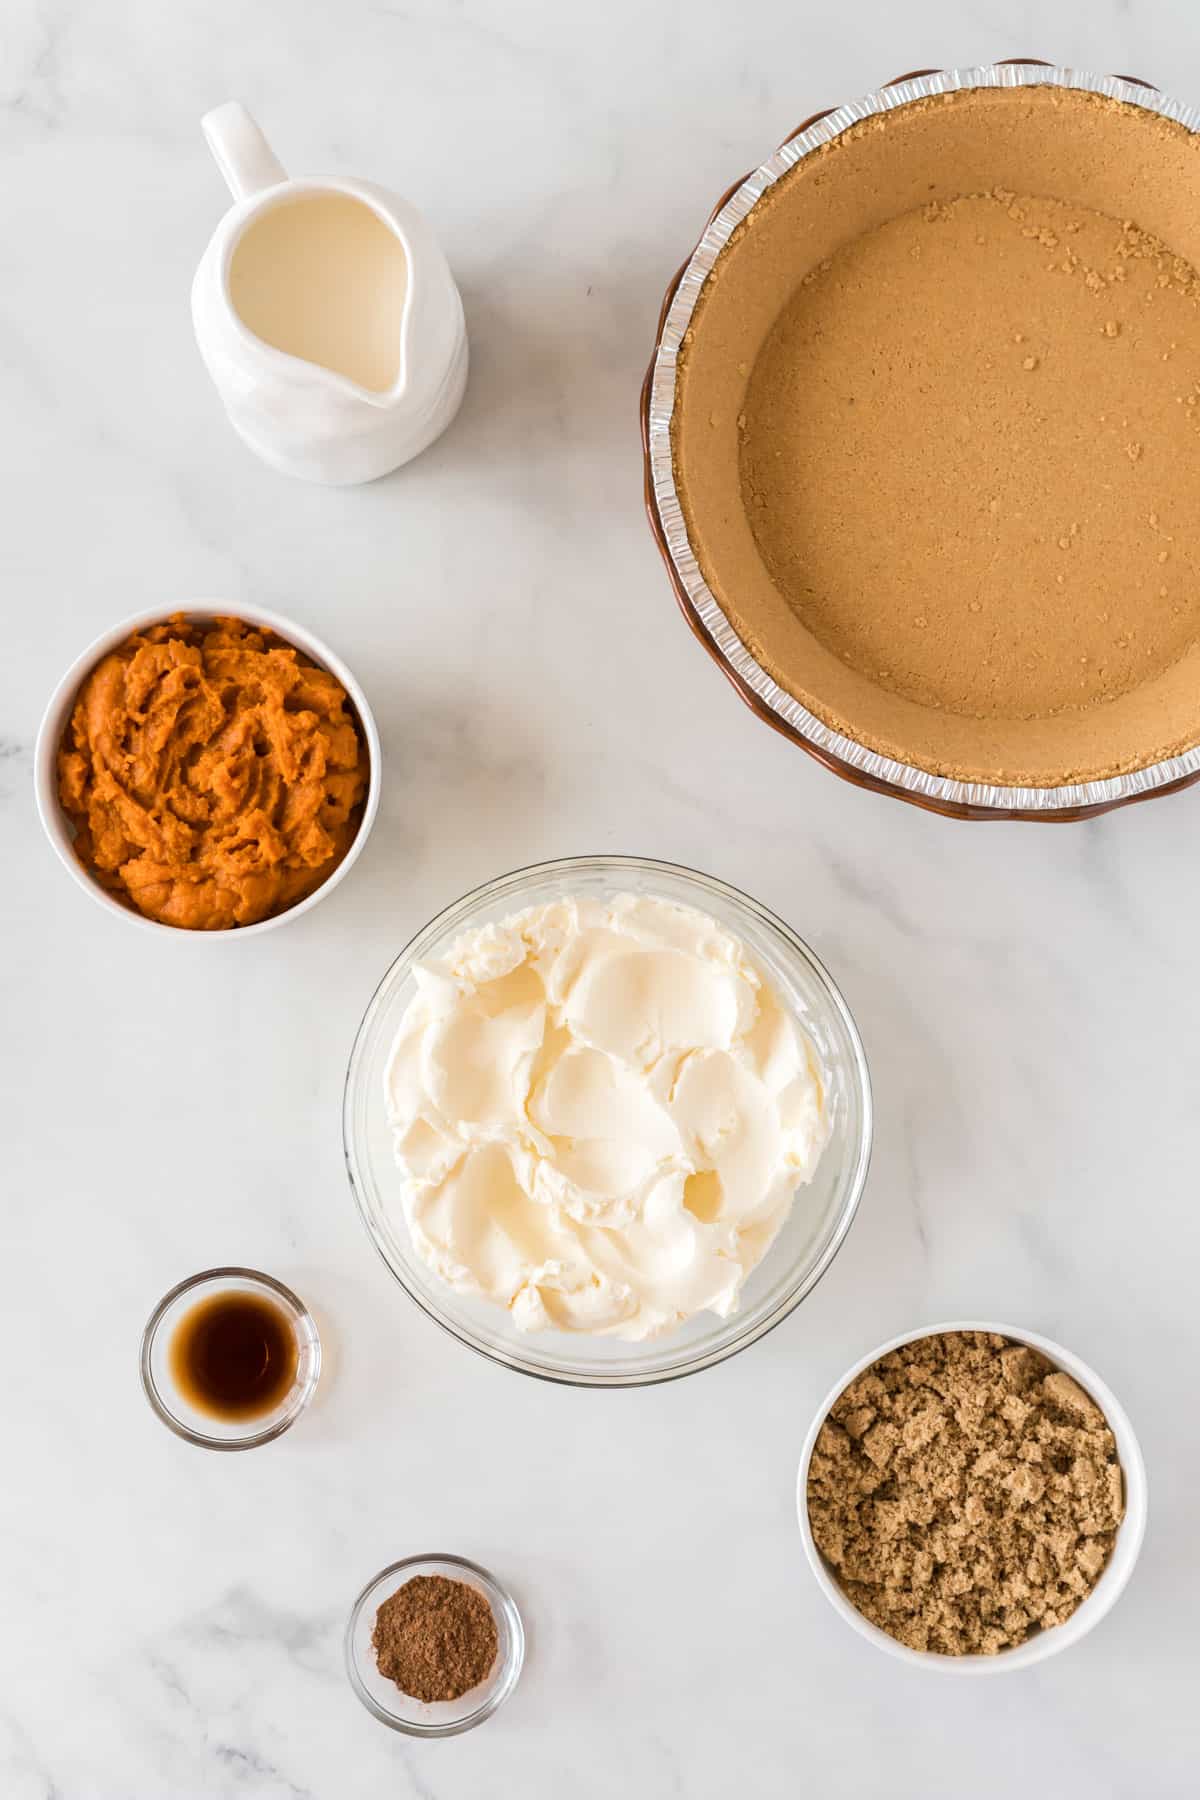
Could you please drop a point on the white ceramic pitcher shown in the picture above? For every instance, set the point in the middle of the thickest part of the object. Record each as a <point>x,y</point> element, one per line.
<point>301,416</point>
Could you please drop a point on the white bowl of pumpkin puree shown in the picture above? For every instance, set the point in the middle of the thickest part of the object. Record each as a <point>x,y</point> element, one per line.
<point>207,771</point>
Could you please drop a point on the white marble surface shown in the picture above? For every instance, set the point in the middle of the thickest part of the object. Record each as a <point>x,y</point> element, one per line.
<point>171,1621</point>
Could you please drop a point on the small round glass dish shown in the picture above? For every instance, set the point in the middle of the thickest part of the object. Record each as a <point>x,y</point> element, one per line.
<point>819,1219</point>
<point>177,1410</point>
<point>443,1718</point>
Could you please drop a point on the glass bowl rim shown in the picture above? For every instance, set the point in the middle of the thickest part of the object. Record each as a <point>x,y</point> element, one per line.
<point>295,1306</point>
<point>438,927</point>
<point>507,1681</point>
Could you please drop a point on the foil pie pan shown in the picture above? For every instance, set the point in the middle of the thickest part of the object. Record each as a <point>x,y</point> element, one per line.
<point>847,758</point>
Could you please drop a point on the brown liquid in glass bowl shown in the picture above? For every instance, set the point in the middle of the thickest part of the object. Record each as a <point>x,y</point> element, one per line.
<point>234,1356</point>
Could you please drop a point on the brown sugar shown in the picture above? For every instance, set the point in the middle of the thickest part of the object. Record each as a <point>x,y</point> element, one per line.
<point>965,1493</point>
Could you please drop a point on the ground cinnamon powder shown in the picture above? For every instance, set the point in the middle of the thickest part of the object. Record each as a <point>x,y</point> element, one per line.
<point>966,1493</point>
<point>435,1638</point>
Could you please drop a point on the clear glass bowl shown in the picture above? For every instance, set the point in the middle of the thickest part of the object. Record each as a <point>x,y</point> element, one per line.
<point>441,1718</point>
<point>823,1210</point>
<point>173,1406</point>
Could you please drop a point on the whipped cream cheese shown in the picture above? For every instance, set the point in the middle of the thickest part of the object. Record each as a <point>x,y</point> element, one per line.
<point>601,1112</point>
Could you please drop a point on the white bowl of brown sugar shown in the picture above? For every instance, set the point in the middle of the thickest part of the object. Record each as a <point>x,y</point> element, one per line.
<point>972,1498</point>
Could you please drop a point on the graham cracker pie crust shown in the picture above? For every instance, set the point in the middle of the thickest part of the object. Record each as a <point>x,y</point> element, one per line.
<point>937,435</point>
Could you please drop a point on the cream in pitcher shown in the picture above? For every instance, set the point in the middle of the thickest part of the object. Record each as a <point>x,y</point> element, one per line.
<point>327,316</point>
<point>323,278</point>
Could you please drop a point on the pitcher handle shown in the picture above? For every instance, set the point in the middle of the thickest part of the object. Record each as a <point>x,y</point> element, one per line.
<point>242,153</point>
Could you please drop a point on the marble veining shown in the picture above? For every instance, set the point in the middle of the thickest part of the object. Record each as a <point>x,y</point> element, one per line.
<point>172,1621</point>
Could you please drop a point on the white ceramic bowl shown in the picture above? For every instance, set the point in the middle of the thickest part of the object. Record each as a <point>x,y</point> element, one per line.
<point>54,722</point>
<point>1116,1572</point>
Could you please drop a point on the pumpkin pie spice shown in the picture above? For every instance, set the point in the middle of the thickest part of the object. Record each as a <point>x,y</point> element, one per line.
<point>435,1638</point>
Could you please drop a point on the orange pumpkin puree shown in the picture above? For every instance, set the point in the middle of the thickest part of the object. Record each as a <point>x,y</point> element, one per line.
<point>214,775</point>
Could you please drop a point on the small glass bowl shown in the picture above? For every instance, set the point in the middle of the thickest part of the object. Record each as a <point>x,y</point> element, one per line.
<point>810,1237</point>
<point>190,1422</point>
<point>444,1718</point>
